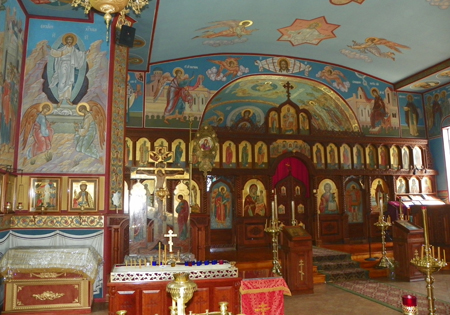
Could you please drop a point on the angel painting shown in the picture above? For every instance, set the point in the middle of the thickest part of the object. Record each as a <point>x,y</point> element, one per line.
<point>36,126</point>
<point>371,45</point>
<point>230,65</point>
<point>234,28</point>
<point>334,77</point>
<point>92,126</point>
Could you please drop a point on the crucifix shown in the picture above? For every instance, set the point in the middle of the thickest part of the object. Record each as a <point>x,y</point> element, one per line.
<point>170,235</point>
<point>288,87</point>
<point>156,179</point>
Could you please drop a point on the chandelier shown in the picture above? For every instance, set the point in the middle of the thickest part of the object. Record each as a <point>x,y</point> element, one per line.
<point>109,7</point>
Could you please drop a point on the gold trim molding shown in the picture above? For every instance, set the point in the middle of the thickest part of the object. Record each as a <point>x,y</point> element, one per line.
<point>48,295</point>
<point>56,221</point>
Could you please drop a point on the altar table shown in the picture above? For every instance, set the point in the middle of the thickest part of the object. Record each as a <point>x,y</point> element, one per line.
<point>56,279</point>
<point>263,296</point>
<point>142,289</point>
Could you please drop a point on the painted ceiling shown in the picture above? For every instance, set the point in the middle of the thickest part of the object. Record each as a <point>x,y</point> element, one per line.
<point>402,42</point>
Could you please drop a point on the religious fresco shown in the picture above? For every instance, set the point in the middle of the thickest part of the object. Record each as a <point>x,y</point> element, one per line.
<point>261,155</point>
<point>255,199</point>
<point>135,99</point>
<point>128,157</point>
<point>412,115</point>
<point>353,202</point>
<point>437,107</point>
<point>374,47</point>
<point>346,158</point>
<point>319,157</point>
<point>63,128</point>
<point>371,157</point>
<point>414,185</point>
<point>179,155</point>
<point>229,155</point>
<point>395,162</point>
<point>426,185</point>
<point>332,157</point>
<point>327,197</point>
<point>11,53</point>
<point>236,31</point>
<point>221,206</point>
<point>379,191</point>
<point>417,157</point>
<point>283,146</point>
<point>405,158</point>
<point>245,155</point>
<point>358,157</point>
<point>308,31</point>
<point>383,158</point>
<point>329,98</point>
<point>289,120</point>
<point>401,187</point>
<point>142,152</point>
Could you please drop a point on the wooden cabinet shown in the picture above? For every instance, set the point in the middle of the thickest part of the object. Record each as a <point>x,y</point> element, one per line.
<point>407,239</point>
<point>151,298</point>
<point>297,259</point>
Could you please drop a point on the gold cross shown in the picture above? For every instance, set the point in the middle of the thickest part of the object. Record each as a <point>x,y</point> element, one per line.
<point>262,308</point>
<point>300,266</point>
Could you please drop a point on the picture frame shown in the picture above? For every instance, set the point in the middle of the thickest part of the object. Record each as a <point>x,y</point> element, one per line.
<point>83,194</point>
<point>45,194</point>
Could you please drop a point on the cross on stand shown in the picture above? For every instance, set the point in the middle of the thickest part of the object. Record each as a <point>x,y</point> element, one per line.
<point>170,236</point>
<point>288,86</point>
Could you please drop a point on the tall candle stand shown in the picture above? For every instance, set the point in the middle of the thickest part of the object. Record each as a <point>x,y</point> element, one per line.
<point>274,229</point>
<point>428,264</point>
<point>383,225</point>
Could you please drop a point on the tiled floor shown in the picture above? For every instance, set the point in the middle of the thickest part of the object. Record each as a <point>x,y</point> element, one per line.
<point>329,300</point>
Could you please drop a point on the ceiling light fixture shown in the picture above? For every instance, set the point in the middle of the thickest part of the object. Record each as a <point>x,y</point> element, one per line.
<point>109,7</point>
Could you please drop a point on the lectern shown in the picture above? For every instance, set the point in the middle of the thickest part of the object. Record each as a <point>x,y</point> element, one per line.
<point>407,239</point>
<point>297,259</point>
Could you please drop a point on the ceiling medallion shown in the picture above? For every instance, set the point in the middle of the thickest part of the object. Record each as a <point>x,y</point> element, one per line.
<point>109,7</point>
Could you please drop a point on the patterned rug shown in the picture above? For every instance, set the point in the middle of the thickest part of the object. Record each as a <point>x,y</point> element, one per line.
<point>337,266</point>
<point>389,295</point>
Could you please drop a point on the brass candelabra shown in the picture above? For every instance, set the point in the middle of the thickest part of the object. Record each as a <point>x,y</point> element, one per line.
<point>274,228</point>
<point>428,263</point>
<point>383,224</point>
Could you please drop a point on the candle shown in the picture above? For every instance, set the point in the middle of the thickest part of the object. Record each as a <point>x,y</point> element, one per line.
<point>273,211</point>
<point>409,300</point>
<point>421,253</point>
<point>159,253</point>
<point>165,254</point>
<point>425,226</point>
<point>265,226</point>
<point>276,207</point>
<point>445,260</point>
<point>293,210</point>
<point>439,253</point>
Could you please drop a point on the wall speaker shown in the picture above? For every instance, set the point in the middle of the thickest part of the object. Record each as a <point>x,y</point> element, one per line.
<point>126,37</point>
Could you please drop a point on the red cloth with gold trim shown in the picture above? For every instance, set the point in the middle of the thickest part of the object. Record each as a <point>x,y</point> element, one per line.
<point>263,296</point>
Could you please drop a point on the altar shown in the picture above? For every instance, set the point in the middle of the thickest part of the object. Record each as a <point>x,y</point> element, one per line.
<point>142,289</point>
<point>57,279</point>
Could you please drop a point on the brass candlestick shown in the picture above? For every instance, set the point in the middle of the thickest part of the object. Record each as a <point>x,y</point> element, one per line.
<point>384,260</point>
<point>274,229</point>
<point>428,264</point>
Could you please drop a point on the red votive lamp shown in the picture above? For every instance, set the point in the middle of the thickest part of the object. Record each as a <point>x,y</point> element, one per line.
<point>409,300</point>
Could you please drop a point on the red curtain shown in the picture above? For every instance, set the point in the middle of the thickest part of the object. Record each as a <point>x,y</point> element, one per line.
<point>292,166</point>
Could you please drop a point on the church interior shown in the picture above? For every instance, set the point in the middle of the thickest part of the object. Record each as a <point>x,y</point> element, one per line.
<point>297,150</point>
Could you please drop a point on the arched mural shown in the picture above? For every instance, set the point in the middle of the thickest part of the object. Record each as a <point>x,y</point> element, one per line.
<point>256,95</point>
